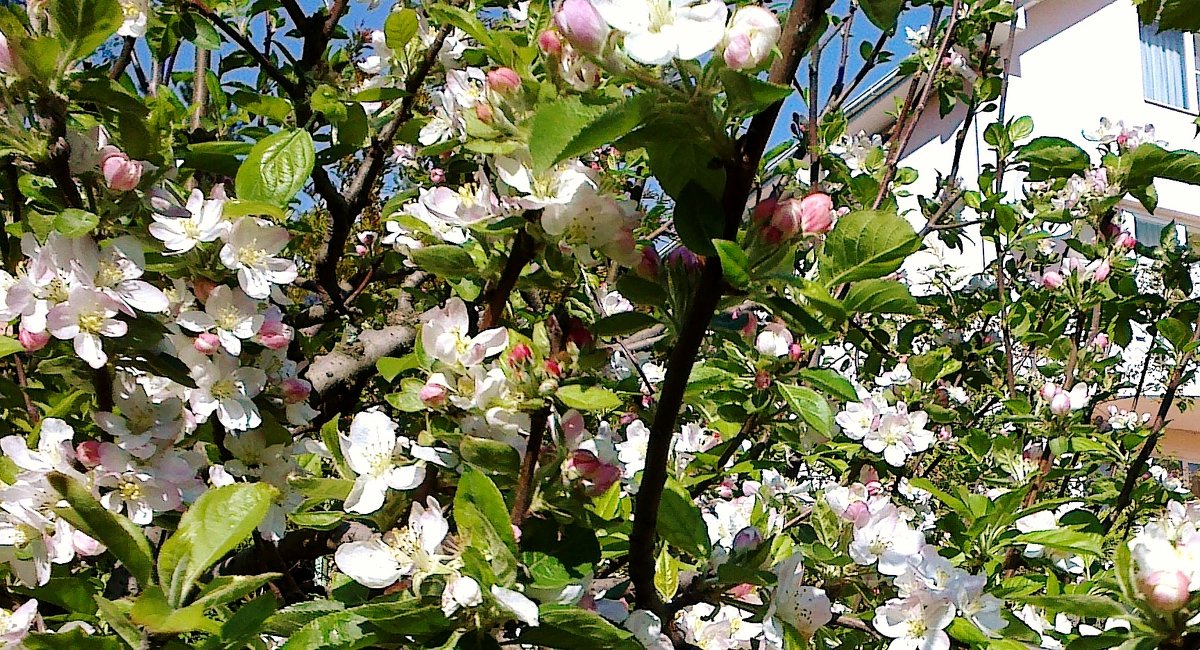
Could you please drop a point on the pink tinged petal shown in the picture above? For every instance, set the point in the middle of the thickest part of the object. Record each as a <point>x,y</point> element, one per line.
<point>254,283</point>
<point>114,328</point>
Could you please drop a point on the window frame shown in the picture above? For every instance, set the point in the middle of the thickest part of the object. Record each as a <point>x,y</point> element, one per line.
<point>1191,75</point>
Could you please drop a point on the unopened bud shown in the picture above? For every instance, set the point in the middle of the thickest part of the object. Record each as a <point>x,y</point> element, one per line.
<point>1165,591</point>
<point>503,80</point>
<point>747,540</point>
<point>295,390</point>
<point>207,343</point>
<point>33,341</point>
<point>88,453</point>
<point>519,354</point>
<point>1052,280</point>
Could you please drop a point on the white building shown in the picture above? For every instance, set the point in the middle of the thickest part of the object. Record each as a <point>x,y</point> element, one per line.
<point>1073,63</point>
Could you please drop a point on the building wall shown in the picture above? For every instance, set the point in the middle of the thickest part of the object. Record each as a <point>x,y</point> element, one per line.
<point>1076,61</point>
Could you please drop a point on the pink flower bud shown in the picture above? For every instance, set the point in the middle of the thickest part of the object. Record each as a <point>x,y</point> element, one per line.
<point>503,80</point>
<point>857,511</point>
<point>751,326</point>
<point>207,343</point>
<point>685,258</point>
<point>1165,591</point>
<point>1048,391</point>
<point>816,214</point>
<point>762,380</point>
<point>360,250</point>
<point>120,173</point>
<point>1061,404</point>
<point>1125,240</point>
<point>1101,342</point>
<point>437,176</point>
<point>85,545</point>
<point>747,540</point>
<point>573,427</point>
<point>765,208</point>
<point>1052,280</point>
<point>519,354</point>
<point>6,57</point>
<point>33,341</point>
<point>552,368</point>
<point>581,24</point>
<point>550,43</point>
<point>725,489</point>
<point>737,52</point>
<point>295,390</point>
<point>650,263</point>
<point>434,393</point>
<point>274,334</point>
<point>201,287</point>
<point>88,453</point>
<point>484,113</point>
<point>1102,271</point>
<point>795,352</point>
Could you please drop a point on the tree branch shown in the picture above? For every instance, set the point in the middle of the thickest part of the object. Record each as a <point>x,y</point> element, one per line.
<point>797,35</point>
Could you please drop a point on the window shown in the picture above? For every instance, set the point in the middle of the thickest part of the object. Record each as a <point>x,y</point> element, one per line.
<point>1170,65</point>
<point>1149,230</point>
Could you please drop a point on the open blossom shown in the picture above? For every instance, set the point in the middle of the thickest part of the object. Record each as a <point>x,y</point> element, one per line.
<point>899,435</point>
<point>887,539</point>
<point>116,269</point>
<point>224,387</point>
<point>54,452</point>
<point>751,36</point>
<point>15,624</point>
<point>251,248</point>
<point>657,31</point>
<point>803,607</point>
<point>444,336</point>
<point>84,318</point>
<point>229,313</point>
<point>136,18</point>
<point>201,222</point>
<point>917,622</point>
<point>413,551</point>
<point>462,591</point>
<point>371,451</point>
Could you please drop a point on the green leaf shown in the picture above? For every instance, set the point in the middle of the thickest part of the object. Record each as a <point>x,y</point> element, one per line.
<point>246,623</point>
<point>555,127</point>
<point>830,382</point>
<point>491,457</point>
<point>343,629</point>
<point>1149,161</point>
<point>477,490</point>
<point>84,25</point>
<point>1176,331</point>
<point>734,263</point>
<point>226,589</point>
<point>1050,157</point>
<point>389,367</point>
<point>601,129</point>
<point>242,208</point>
<point>880,297</point>
<point>810,406</point>
<point>1083,605</point>
<point>865,245</point>
<point>626,322</point>
<point>1064,539</point>
<point>72,639</point>
<point>116,614</point>
<point>1180,15</point>
<point>698,219</point>
<point>122,537</point>
<point>400,28</point>
<point>217,522</point>
<point>592,398</point>
<point>9,345</point>
<point>325,99</point>
<point>748,95</point>
<point>277,167</point>
<point>152,611</point>
<point>445,260</point>
<point>73,222</point>
<point>882,13</point>
<point>680,522</point>
<point>571,628</point>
